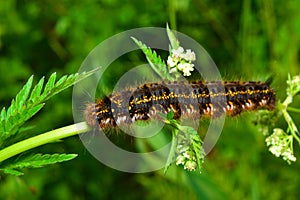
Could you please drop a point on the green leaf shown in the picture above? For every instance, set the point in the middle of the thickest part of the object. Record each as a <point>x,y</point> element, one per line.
<point>170,115</point>
<point>154,60</point>
<point>36,161</point>
<point>196,144</point>
<point>61,81</point>
<point>173,40</point>
<point>13,172</point>
<point>9,110</point>
<point>2,120</point>
<point>50,84</point>
<point>23,94</point>
<point>66,82</point>
<point>18,119</point>
<point>23,108</point>
<point>3,114</point>
<point>32,111</point>
<point>36,92</point>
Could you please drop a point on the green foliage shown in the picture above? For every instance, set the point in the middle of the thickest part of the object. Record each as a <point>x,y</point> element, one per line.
<point>155,61</point>
<point>190,149</point>
<point>26,104</point>
<point>19,111</point>
<point>186,146</point>
<point>174,43</point>
<point>29,101</point>
<point>35,161</point>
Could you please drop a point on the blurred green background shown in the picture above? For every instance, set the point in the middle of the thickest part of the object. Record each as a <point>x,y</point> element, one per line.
<point>248,40</point>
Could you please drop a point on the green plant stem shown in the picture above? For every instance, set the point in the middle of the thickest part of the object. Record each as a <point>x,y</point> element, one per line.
<point>288,119</point>
<point>296,110</point>
<point>155,68</point>
<point>172,150</point>
<point>42,139</point>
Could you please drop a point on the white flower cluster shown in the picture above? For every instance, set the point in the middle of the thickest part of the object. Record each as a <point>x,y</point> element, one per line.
<point>281,145</point>
<point>187,149</point>
<point>181,61</point>
<point>186,158</point>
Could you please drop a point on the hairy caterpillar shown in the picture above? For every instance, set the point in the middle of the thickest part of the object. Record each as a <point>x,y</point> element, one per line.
<point>195,99</point>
